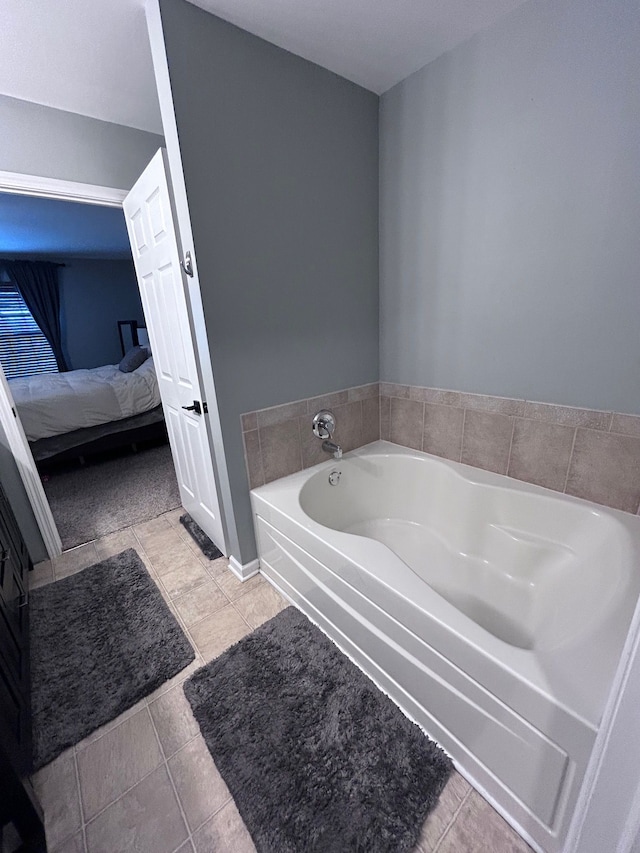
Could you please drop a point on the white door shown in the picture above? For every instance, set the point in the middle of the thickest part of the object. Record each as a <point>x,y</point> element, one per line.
<point>148,212</point>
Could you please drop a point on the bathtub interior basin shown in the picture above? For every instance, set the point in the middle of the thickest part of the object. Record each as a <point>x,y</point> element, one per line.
<point>525,566</point>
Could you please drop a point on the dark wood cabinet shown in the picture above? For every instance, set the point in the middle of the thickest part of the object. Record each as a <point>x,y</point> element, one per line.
<point>17,801</point>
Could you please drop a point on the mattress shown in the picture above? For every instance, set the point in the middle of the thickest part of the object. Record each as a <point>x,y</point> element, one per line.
<point>57,403</point>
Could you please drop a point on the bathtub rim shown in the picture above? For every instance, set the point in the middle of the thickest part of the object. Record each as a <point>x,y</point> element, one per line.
<point>523,664</point>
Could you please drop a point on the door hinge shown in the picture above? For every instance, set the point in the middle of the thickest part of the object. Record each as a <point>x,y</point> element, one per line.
<point>205,408</point>
<point>15,414</point>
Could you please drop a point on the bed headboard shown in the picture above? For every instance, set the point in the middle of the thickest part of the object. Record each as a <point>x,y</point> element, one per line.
<point>132,334</point>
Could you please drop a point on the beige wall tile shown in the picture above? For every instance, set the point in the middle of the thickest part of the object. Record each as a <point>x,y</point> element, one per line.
<point>540,453</point>
<point>626,424</point>
<point>486,440</point>
<point>326,401</point>
<point>487,403</point>
<point>393,389</point>
<point>201,788</point>
<point>279,414</point>
<point>281,450</point>
<point>111,765</point>
<point>348,432</point>
<point>567,415</point>
<point>173,719</point>
<point>253,458</point>
<point>443,431</point>
<point>385,418</point>
<point>370,420</point>
<point>406,417</point>
<point>57,789</point>
<point>249,421</point>
<point>312,452</point>
<point>435,395</point>
<point>363,392</point>
<point>225,831</point>
<point>605,467</point>
<point>146,818</point>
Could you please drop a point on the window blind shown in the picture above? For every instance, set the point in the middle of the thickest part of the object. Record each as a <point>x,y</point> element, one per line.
<point>24,350</point>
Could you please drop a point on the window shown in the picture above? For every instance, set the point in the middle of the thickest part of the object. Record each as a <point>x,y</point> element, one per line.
<point>24,350</point>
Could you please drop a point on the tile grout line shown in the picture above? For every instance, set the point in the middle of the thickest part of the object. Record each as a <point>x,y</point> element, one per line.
<point>454,817</point>
<point>573,444</point>
<point>171,780</point>
<point>513,430</point>
<point>82,820</point>
<point>464,426</point>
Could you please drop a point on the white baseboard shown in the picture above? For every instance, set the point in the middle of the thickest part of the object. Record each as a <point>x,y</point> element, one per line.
<point>246,571</point>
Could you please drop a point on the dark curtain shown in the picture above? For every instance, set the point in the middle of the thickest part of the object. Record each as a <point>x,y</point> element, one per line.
<point>37,282</point>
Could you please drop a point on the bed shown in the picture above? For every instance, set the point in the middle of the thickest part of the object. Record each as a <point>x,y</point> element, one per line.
<point>73,414</point>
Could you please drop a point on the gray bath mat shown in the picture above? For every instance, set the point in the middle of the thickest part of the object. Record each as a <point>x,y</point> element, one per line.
<point>316,757</point>
<point>208,548</point>
<point>100,641</point>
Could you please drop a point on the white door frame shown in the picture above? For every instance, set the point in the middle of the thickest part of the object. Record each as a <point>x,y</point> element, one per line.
<point>34,185</point>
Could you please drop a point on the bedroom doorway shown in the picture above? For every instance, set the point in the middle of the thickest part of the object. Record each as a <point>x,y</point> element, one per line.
<point>92,417</point>
<point>14,437</point>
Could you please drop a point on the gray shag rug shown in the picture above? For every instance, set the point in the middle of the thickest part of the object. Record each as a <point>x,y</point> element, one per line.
<point>101,640</point>
<point>315,756</point>
<point>208,548</point>
<point>108,495</point>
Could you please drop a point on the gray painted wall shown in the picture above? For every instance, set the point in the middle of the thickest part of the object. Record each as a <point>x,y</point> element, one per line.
<point>51,143</point>
<point>94,295</point>
<point>281,167</point>
<point>510,211</point>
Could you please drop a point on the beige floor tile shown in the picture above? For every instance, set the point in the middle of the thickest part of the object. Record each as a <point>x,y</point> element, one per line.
<point>98,733</point>
<point>233,588</point>
<point>158,544</point>
<point>116,542</point>
<point>118,760</point>
<point>173,517</point>
<point>75,844</point>
<point>176,557</point>
<point>41,574</point>
<point>201,789</point>
<point>177,679</point>
<point>147,530</point>
<point>173,719</point>
<point>187,847</point>
<point>225,831</point>
<point>184,578</point>
<point>260,604</point>
<point>75,560</point>
<point>479,828</point>
<point>456,789</point>
<point>146,819</point>
<point>215,633</point>
<point>200,602</point>
<point>216,568</point>
<point>56,787</point>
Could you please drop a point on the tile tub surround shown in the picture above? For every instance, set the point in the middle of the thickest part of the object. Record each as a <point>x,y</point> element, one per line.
<point>583,452</point>
<point>279,441</point>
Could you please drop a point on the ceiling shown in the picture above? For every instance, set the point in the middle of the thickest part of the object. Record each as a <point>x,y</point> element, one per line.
<point>92,56</point>
<point>45,227</point>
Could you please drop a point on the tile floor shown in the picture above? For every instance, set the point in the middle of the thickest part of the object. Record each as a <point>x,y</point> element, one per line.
<point>146,782</point>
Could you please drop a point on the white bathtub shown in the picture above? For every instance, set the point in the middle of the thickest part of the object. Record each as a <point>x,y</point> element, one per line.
<point>493,612</point>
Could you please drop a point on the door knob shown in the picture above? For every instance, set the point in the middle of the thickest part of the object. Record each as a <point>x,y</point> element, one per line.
<point>195,408</point>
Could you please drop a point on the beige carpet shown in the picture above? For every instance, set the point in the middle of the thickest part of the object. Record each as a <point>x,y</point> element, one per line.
<point>107,495</point>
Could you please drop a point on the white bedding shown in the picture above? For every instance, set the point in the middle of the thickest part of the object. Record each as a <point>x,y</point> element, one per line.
<point>55,403</point>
